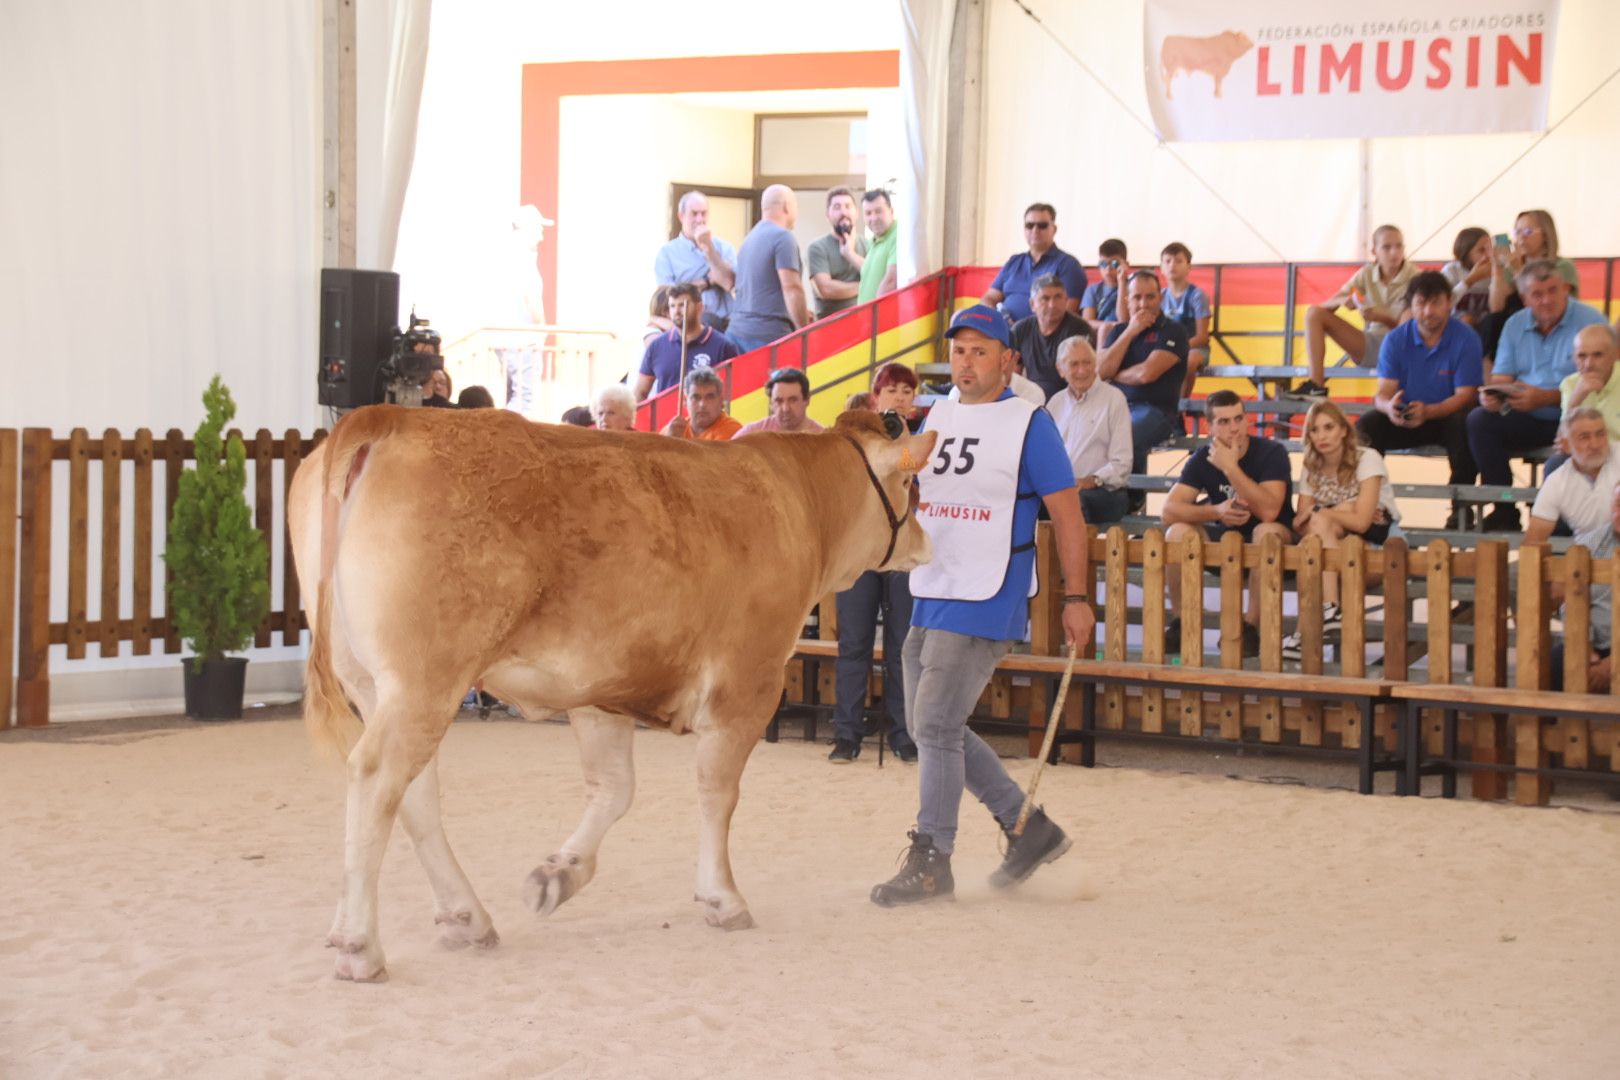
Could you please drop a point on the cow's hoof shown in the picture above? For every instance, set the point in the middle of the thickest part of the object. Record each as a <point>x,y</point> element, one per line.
<point>555,880</point>
<point>736,920</point>
<point>357,963</point>
<point>463,928</point>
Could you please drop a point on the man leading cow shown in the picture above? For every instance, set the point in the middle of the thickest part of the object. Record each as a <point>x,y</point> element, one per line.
<point>997,457</point>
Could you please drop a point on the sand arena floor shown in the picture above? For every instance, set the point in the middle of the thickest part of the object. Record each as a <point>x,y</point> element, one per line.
<point>168,886</point>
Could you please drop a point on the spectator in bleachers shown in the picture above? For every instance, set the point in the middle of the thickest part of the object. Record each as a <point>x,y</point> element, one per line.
<point>658,320</point>
<point>614,408</point>
<point>895,387</point>
<point>706,407</point>
<point>1518,407</point>
<point>1594,384</point>
<point>861,399</point>
<point>1100,305</point>
<point>1011,289</point>
<point>1189,305</point>
<point>697,255</point>
<point>1577,494</point>
<point>1236,482</point>
<point>1344,491</point>
<point>1534,236</point>
<point>705,346</point>
<point>1146,358</point>
<point>1469,272</point>
<point>880,271</point>
<point>1600,541</point>
<point>1039,338</point>
<point>770,300</point>
<point>1378,291</point>
<point>1095,422</point>
<point>836,259</point>
<point>475,397</point>
<point>1429,374</point>
<point>788,392</point>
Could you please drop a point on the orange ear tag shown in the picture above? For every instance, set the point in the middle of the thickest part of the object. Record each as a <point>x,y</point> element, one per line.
<point>907,462</point>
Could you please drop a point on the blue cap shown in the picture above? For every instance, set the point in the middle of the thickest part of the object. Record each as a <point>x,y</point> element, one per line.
<point>986,320</point>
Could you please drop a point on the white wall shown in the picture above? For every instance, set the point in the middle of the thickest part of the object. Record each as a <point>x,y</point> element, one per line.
<point>464,186</point>
<point>1053,134</point>
<point>159,210</point>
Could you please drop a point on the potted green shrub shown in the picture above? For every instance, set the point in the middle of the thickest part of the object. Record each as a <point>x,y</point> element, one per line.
<point>220,589</point>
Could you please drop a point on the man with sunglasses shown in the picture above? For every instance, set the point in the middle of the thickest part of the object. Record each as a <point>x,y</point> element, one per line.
<point>1010,289</point>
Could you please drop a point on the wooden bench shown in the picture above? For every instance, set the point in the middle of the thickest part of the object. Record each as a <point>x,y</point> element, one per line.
<point>1531,707</point>
<point>1090,675</point>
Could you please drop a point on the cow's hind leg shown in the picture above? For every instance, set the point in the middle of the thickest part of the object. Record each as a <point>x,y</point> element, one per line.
<point>455,906</point>
<point>721,754</point>
<point>397,745</point>
<point>605,752</point>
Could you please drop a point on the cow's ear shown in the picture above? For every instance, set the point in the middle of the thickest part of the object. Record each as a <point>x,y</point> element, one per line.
<point>913,451</point>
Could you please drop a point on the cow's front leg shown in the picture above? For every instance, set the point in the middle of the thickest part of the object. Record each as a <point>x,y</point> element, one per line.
<point>381,766</point>
<point>605,752</point>
<point>462,919</point>
<point>722,752</point>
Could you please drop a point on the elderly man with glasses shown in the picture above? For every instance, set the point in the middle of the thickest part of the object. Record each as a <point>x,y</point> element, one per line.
<point>1010,290</point>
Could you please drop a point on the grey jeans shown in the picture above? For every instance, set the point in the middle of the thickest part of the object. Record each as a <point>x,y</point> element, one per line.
<point>945,673</point>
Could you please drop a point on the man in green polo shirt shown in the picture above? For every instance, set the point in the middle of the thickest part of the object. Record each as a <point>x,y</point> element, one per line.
<point>878,273</point>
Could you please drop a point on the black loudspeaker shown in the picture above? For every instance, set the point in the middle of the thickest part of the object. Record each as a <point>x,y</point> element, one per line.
<point>359,318</point>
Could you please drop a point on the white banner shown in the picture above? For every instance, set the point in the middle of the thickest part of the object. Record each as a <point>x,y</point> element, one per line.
<point>1256,69</point>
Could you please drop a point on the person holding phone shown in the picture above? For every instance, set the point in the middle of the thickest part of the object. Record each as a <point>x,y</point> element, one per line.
<point>1469,272</point>
<point>1429,372</point>
<point>1100,306</point>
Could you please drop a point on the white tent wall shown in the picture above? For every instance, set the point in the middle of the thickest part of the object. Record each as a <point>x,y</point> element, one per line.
<point>1053,134</point>
<point>160,214</point>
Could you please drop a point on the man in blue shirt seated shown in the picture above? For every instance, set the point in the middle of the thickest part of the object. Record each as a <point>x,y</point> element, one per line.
<point>1010,290</point>
<point>1236,483</point>
<point>699,256</point>
<point>1429,373</point>
<point>705,346</point>
<point>996,459</point>
<point>1519,407</point>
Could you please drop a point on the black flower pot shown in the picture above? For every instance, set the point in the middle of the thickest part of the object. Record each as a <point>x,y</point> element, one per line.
<point>214,689</point>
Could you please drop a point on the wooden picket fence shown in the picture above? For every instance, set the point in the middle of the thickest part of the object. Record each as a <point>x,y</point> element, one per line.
<point>30,482</point>
<point>1398,627</point>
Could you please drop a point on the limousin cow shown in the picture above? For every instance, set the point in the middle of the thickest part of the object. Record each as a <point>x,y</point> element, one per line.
<point>618,576</point>
<point>1212,56</point>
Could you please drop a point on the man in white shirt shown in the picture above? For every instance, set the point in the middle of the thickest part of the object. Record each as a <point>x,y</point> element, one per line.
<point>1578,492</point>
<point>1095,421</point>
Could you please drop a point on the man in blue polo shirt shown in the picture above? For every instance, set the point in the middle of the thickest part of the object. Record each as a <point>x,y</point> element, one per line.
<point>700,256</point>
<point>1429,373</point>
<point>1012,285</point>
<point>996,459</point>
<point>1518,408</point>
<point>705,346</point>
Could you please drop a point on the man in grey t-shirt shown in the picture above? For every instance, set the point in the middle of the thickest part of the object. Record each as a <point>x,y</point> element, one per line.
<point>770,298</point>
<point>836,259</point>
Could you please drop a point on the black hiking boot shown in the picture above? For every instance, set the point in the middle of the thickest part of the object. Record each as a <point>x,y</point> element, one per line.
<point>1042,842</point>
<point>844,751</point>
<point>925,875</point>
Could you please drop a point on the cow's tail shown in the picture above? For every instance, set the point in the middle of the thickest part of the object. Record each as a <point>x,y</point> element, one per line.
<point>331,722</point>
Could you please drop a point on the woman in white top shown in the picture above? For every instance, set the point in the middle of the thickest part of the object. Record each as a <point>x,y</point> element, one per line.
<point>1343,491</point>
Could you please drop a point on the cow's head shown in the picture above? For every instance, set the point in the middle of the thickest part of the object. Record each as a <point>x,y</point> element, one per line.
<point>895,457</point>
